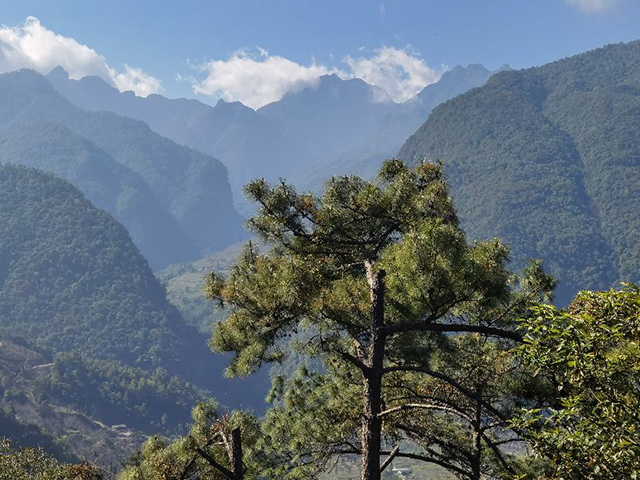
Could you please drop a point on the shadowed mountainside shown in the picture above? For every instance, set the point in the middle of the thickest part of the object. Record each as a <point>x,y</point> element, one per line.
<point>71,280</point>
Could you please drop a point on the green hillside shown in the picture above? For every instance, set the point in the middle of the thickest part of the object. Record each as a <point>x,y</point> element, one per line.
<point>71,280</point>
<point>548,159</point>
<point>185,282</point>
<point>32,415</point>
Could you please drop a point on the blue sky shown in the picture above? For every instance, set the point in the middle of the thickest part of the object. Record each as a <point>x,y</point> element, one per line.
<point>257,50</point>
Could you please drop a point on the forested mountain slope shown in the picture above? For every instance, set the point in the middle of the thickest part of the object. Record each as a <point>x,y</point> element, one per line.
<point>71,280</point>
<point>30,416</point>
<point>191,187</point>
<point>548,159</point>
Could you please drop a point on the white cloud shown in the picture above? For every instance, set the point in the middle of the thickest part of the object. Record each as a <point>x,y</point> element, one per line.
<point>593,5</point>
<point>256,80</point>
<point>136,80</point>
<point>397,71</point>
<point>259,79</point>
<point>34,46</point>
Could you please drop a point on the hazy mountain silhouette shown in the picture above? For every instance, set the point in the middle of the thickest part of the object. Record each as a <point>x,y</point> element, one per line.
<point>337,126</point>
<point>244,141</point>
<point>190,187</point>
<point>388,131</point>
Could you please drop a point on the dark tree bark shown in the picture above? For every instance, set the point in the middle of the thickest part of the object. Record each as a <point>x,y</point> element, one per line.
<point>235,454</point>
<point>477,426</point>
<point>372,377</point>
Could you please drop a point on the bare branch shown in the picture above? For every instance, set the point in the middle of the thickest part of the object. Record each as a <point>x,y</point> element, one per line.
<point>211,461</point>
<point>353,360</point>
<point>498,453</point>
<point>434,460</point>
<point>410,406</point>
<point>467,392</point>
<point>390,458</point>
<point>451,327</point>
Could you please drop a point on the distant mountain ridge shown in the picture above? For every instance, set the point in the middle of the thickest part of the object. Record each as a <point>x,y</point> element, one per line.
<point>331,128</point>
<point>173,200</point>
<point>248,145</point>
<point>548,159</point>
<point>392,129</point>
<point>107,183</point>
<point>332,117</point>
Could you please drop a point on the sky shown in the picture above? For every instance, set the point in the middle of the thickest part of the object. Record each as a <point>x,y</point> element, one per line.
<point>256,51</point>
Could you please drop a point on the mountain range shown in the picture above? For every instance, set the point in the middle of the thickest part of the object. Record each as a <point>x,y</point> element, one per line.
<point>306,136</point>
<point>547,159</point>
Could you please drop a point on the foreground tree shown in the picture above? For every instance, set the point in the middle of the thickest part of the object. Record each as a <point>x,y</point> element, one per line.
<point>454,418</point>
<point>377,277</point>
<point>590,354</point>
<point>213,449</point>
<point>35,464</point>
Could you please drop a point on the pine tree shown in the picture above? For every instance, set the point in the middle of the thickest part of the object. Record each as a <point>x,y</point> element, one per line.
<point>377,281</point>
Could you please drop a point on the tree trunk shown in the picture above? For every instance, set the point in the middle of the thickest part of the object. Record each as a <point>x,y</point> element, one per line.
<point>235,455</point>
<point>371,420</point>
<point>477,459</point>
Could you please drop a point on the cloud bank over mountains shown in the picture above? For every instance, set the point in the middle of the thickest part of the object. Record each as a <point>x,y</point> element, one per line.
<point>256,79</point>
<point>398,71</point>
<point>253,78</point>
<point>34,46</point>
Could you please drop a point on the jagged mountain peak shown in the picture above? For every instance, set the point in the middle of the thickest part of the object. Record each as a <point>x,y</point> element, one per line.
<point>236,107</point>
<point>336,90</point>
<point>58,72</point>
<point>27,80</point>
